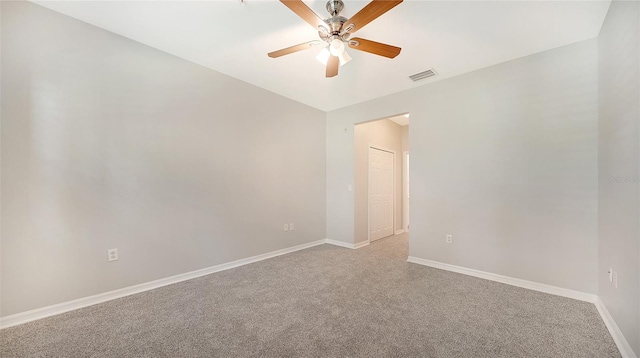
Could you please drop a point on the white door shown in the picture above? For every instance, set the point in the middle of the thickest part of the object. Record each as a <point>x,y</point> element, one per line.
<point>380,194</point>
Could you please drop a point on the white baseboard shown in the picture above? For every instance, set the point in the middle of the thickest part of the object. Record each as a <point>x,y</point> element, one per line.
<point>616,333</point>
<point>339,243</point>
<point>398,232</point>
<point>346,244</point>
<point>28,316</point>
<point>559,291</point>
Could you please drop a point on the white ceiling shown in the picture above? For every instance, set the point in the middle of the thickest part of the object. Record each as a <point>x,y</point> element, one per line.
<point>401,120</point>
<point>452,37</point>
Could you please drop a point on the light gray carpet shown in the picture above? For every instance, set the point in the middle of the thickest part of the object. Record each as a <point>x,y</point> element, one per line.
<point>325,301</point>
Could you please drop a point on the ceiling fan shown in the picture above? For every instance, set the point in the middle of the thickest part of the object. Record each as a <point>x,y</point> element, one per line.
<point>336,31</point>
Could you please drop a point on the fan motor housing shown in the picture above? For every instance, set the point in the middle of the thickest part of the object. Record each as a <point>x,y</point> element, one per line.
<point>335,23</point>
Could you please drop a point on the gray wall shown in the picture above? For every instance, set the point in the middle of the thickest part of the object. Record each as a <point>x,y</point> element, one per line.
<point>108,143</point>
<point>503,158</point>
<point>619,166</point>
<point>384,134</point>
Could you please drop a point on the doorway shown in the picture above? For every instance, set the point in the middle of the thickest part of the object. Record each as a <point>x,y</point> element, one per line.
<point>381,188</point>
<point>379,148</point>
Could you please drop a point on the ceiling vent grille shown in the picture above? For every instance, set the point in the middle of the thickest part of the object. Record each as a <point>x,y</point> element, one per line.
<point>422,75</point>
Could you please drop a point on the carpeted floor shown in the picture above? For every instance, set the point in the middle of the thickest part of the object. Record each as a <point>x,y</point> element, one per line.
<point>325,301</point>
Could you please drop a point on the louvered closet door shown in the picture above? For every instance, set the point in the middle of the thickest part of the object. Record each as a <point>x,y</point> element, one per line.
<point>380,194</point>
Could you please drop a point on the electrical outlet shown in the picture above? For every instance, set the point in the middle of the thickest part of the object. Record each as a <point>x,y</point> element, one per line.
<point>615,279</point>
<point>286,227</point>
<point>449,239</point>
<point>291,227</point>
<point>610,274</point>
<point>112,255</point>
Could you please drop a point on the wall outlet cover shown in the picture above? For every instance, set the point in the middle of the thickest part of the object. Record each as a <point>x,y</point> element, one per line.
<point>112,255</point>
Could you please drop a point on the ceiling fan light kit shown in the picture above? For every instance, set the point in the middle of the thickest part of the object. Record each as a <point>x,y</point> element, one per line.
<point>323,57</point>
<point>335,32</point>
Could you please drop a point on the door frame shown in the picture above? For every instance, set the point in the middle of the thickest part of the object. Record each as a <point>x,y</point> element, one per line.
<point>405,192</point>
<point>393,191</point>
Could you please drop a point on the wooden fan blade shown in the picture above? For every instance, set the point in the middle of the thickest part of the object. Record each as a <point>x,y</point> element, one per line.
<point>305,13</point>
<point>292,49</point>
<point>332,66</point>
<point>369,13</point>
<point>375,48</point>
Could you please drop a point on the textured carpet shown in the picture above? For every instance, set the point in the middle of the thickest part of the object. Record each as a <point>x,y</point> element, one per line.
<point>325,301</point>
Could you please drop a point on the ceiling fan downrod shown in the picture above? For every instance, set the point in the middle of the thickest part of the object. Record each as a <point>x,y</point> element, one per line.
<point>335,22</point>
<point>334,7</point>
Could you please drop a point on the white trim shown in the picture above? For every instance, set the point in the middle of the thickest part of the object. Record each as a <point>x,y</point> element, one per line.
<point>39,313</point>
<point>398,232</point>
<point>28,316</point>
<point>616,333</point>
<point>405,190</point>
<point>558,291</point>
<point>339,243</point>
<point>346,244</point>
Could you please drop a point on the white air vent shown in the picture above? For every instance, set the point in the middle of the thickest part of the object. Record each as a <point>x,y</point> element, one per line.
<point>423,75</point>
